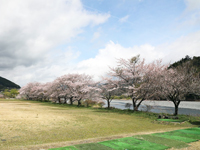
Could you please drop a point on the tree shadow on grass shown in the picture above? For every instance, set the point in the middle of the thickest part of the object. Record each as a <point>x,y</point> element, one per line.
<point>197,123</point>
<point>102,110</point>
<point>114,110</point>
<point>98,111</point>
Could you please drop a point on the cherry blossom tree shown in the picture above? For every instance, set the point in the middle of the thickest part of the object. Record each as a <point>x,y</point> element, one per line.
<point>26,91</point>
<point>148,87</point>
<point>82,87</point>
<point>176,83</point>
<point>74,87</point>
<point>47,90</point>
<point>135,78</point>
<point>109,88</point>
<point>59,88</point>
<point>37,91</point>
<point>70,80</point>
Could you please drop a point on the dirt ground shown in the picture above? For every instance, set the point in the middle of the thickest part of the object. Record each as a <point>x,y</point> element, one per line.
<point>192,146</point>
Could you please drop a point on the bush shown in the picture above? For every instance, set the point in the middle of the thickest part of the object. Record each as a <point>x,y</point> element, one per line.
<point>101,103</point>
<point>121,97</point>
<point>89,102</point>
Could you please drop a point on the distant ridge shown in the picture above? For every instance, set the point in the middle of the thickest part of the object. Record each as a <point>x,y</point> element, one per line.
<point>7,84</point>
<point>195,62</point>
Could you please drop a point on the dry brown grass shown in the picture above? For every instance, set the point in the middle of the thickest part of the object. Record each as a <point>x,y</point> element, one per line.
<point>192,146</point>
<point>29,125</point>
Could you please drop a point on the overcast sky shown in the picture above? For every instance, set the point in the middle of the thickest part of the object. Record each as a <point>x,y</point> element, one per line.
<point>41,40</point>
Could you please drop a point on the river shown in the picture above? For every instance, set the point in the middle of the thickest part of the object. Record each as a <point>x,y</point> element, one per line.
<point>185,107</point>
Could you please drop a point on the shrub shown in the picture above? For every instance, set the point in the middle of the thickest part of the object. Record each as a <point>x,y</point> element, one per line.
<point>101,103</point>
<point>89,102</point>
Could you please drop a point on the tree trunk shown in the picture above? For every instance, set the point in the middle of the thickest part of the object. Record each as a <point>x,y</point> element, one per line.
<point>135,108</point>
<point>176,104</point>
<point>65,101</point>
<point>79,102</point>
<point>176,110</point>
<point>59,100</point>
<point>71,100</point>
<point>87,104</point>
<point>108,102</point>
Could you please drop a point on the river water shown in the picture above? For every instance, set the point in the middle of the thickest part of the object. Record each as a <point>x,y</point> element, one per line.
<point>185,107</point>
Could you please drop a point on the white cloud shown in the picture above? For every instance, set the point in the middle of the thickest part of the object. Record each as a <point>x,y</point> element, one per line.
<point>108,56</point>
<point>63,63</point>
<point>53,66</point>
<point>30,28</point>
<point>30,32</point>
<point>124,19</point>
<point>191,15</point>
<point>170,52</point>
<point>185,45</point>
<point>192,5</point>
<point>96,35</point>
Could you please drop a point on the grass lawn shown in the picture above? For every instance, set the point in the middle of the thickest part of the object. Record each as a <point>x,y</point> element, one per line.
<point>34,125</point>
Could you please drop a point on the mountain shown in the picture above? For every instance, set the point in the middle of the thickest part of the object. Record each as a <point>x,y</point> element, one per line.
<point>7,84</point>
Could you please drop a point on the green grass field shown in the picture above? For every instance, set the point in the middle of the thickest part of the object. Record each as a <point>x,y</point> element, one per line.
<point>34,125</point>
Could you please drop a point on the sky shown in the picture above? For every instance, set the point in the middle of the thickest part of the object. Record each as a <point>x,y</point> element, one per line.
<point>43,40</point>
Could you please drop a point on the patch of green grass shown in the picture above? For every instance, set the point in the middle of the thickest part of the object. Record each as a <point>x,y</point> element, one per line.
<point>173,137</point>
<point>117,145</point>
<point>91,146</point>
<point>162,141</point>
<point>142,144</point>
<point>88,146</point>
<point>171,120</point>
<point>65,148</point>
<point>182,134</point>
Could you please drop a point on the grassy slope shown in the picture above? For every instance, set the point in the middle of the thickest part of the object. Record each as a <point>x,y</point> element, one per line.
<point>24,123</point>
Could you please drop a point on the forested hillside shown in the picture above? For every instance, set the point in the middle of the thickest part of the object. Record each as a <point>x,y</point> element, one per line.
<point>7,84</point>
<point>195,62</point>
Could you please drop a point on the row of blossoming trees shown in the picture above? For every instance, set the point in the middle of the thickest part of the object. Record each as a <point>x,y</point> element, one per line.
<point>72,87</point>
<point>132,77</point>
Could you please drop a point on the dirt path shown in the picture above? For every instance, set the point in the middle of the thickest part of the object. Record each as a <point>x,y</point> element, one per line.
<point>192,146</point>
